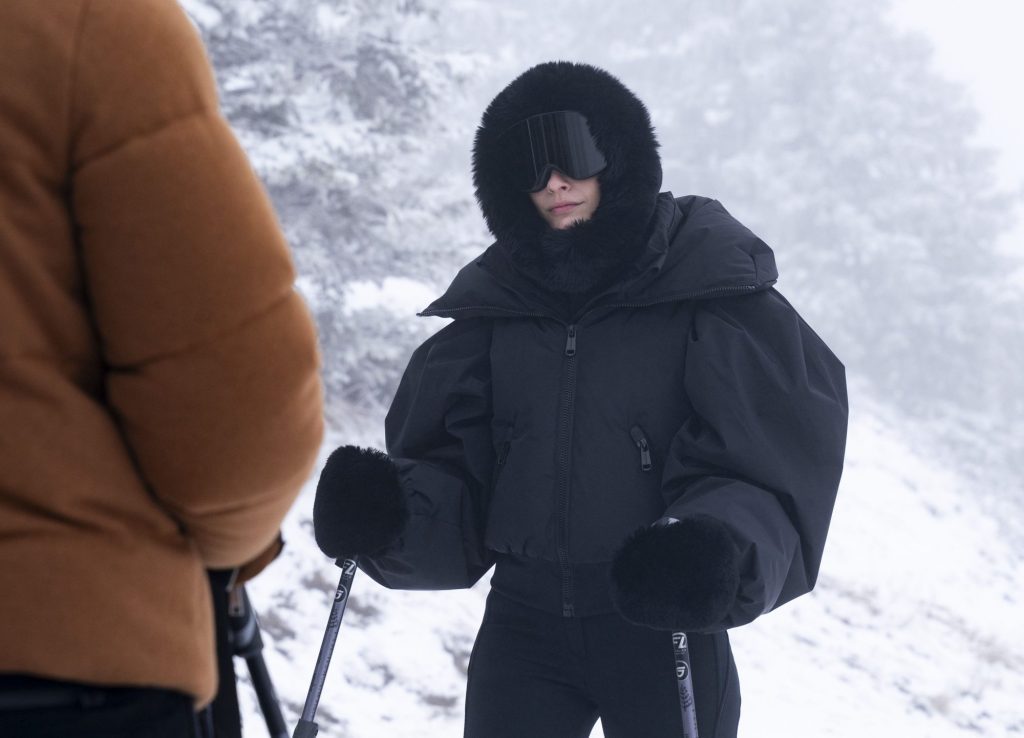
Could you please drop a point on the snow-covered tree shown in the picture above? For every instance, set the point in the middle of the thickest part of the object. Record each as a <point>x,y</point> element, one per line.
<point>814,121</point>
<point>342,107</point>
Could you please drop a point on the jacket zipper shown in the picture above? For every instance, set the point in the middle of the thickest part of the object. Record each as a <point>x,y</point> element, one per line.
<point>566,409</point>
<point>637,434</point>
<point>567,406</point>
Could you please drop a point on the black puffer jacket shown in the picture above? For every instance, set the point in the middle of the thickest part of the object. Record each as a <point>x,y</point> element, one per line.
<point>542,439</point>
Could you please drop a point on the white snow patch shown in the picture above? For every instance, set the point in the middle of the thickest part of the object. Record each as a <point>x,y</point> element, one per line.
<point>203,14</point>
<point>397,294</point>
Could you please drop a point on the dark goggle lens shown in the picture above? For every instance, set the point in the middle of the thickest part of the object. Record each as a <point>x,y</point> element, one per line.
<point>559,140</point>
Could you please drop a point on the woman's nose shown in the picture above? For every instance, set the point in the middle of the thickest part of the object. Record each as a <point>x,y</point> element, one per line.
<point>557,181</point>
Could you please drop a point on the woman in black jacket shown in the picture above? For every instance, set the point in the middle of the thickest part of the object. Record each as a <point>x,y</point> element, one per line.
<point>625,418</point>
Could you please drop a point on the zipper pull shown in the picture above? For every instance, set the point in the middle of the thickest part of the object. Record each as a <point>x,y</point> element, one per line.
<point>570,342</point>
<point>637,434</point>
<point>645,456</point>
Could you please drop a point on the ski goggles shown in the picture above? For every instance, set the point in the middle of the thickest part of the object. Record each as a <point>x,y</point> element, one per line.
<point>560,140</point>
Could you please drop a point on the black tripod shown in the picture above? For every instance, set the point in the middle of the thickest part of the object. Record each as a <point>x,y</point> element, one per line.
<point>247,643</point>
<point>238,634</point>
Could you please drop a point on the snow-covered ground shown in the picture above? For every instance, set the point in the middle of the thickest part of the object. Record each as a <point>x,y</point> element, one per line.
<point>913,630</point>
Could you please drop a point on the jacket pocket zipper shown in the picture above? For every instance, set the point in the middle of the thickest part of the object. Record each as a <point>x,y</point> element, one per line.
<point>499,464</point>
<point>503,454</point>
<point>637,434</point>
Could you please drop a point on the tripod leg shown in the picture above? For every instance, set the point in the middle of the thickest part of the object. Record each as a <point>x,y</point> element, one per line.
<point>204,723</point>
<point>248,643</point>
<point>269,705</point>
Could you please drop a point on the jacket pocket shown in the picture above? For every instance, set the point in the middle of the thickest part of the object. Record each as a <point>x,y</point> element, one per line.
<point>643,446</point>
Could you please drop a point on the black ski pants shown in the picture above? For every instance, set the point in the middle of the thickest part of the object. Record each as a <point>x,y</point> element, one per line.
<point>42,708</point>
<point>537,675</point>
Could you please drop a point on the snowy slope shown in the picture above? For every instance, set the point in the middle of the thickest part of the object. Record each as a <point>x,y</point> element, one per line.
<point>913,629</point>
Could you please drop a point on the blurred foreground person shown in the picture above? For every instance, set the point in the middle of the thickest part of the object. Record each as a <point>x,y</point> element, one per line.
<point>159,399</point>
<point>625,418</point>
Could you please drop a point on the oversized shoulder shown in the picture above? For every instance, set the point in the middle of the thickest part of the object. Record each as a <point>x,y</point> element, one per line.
<point>706,222</point>
<point>458,341</point>
<point>139,66</point>
<point>762,338</point>
<point>705,250</point>
<point>448,377</point>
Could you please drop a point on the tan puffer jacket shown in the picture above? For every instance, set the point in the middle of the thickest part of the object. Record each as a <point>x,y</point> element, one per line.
<point>159,398</point>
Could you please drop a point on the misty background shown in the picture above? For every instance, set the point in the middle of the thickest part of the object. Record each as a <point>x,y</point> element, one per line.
<point>820,125</point>
<point>827,127</point>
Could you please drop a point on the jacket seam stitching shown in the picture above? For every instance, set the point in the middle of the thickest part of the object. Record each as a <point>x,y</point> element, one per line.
<point>72,101</point>
<point>199,343</point>
<point>163,126</point>
<point>43,356</point>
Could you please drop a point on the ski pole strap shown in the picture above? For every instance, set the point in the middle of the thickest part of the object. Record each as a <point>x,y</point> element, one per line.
<point>684,678</point>
<point>307,727</point>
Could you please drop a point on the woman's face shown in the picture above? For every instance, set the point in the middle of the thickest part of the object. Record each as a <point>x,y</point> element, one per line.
<point>565,200</point>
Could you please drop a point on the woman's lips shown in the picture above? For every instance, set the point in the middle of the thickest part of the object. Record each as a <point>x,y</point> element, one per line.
<point>564,207</point>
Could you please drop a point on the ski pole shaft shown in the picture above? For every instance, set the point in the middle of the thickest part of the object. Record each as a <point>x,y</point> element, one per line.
<point>307,727</point>
<point>684,678</point>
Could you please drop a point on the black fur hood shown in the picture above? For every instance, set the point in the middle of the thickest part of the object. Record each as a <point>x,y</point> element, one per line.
<point>586,256</point>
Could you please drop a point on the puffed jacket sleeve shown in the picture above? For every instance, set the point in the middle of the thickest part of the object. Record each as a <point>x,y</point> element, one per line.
<point>210,357</point>
<point>763,450</point>
<point>439,436</point>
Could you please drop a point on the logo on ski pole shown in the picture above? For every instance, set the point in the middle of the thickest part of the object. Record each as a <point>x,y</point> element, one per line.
<point>341,594</point>
<point>681,654</point>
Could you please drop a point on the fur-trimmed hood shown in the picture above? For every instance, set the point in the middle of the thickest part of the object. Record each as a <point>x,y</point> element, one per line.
<point>583,257</point>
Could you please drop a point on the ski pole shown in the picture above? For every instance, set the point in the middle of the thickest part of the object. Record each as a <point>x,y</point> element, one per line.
<point>684,678</point>
<point>307,727</point>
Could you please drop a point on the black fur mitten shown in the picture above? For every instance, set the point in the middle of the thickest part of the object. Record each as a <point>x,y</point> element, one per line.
<point>359,506</point>
<point>683,576</point>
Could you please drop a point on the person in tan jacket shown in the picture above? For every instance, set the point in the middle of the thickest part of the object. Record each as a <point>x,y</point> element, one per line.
<point>160,404</point>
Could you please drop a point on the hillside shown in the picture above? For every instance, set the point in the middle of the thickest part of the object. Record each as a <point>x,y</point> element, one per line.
<point>913,629</point>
